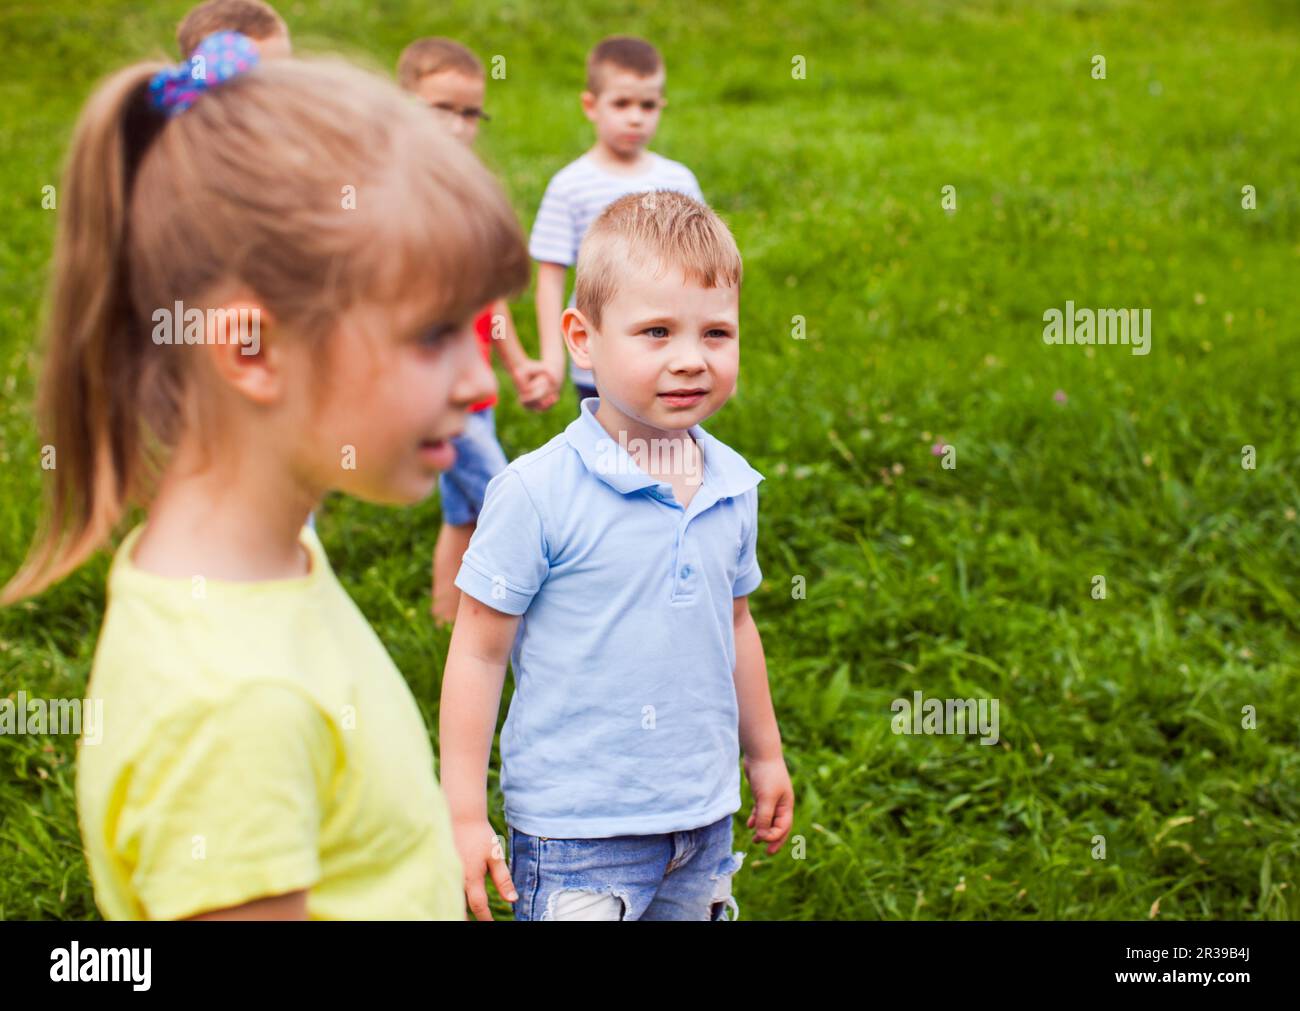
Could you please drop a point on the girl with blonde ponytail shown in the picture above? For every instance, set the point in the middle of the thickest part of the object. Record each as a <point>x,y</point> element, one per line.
<point>264,281</point>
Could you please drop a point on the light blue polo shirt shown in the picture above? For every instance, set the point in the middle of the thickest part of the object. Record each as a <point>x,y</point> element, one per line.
<point>624,718</point>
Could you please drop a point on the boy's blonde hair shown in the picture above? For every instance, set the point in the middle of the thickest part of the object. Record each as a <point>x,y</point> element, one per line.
<point>313,185</point>
<point>654,230</point>
<point>433,55</point>
<point>621,52</point>
<point>257,20</point>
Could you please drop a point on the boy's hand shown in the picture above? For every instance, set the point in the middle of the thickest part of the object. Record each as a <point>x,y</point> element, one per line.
<point>534,385</point>
<point>773,811</point>
<point>555,374</point>
<point>548,380</point>
<point>481,853</point>
<point>552,394</point>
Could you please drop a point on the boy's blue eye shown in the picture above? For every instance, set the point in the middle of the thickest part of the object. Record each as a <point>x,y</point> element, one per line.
<point>653,331</point>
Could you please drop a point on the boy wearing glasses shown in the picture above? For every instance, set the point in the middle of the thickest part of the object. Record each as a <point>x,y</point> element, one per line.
<point>450,80</point>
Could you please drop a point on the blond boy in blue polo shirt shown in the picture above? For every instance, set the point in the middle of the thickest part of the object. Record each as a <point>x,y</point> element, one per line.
<point>612,567</point>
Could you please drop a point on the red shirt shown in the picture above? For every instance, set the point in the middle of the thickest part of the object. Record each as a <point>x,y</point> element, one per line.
<point>483,327</point>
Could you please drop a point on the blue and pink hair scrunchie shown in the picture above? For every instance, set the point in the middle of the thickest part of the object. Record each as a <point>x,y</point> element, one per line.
<point>217,58</point>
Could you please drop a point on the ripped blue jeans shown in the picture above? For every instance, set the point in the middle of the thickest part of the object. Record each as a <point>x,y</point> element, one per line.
<point>675,876</point>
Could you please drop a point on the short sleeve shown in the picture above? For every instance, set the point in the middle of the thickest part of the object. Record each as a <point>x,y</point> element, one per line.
<point>507,560</point>
<point>693,186</point>
<point>225,803</point>
<point>554,238</point>
<point>748,574</point>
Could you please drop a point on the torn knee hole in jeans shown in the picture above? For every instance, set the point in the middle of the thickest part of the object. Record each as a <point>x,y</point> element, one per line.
<point>586,904</point>
<point>722,897</point>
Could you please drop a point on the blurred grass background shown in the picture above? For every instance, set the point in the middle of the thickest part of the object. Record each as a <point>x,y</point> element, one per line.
<point>1120,717</point>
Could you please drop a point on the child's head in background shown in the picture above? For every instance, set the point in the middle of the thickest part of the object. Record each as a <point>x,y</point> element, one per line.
<point>449,79</point>
<point>625,94</point>
<point>253,18</point>
<point>657,311</point>
<point>319,198</point>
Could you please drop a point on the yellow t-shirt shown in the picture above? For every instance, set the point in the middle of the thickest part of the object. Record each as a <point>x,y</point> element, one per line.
<point>257,739</point>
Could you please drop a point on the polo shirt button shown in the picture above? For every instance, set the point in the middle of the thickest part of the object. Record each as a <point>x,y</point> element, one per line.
<point>686,572</point>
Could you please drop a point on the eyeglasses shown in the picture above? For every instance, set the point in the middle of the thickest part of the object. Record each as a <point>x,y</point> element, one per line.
<point>469,113</point>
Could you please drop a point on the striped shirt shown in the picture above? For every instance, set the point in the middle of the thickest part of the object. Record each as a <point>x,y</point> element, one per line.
<point>574,199</point>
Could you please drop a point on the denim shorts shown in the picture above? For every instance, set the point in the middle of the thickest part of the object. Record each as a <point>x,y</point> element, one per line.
<point>675,876</point>
<point>479,458</point>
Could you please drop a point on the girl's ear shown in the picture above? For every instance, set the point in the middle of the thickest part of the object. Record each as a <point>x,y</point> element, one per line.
<point>243,350</point>
<point>577,334</point>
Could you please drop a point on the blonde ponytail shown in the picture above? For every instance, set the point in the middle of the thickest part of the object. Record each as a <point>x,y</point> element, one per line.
<point>88,393</point>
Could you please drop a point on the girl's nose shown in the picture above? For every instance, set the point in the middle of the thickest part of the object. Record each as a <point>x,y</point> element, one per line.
<point>475,380</point>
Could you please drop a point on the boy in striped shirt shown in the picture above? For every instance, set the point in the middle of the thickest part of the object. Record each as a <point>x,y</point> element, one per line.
<point>450,79</point>
<point>623,101</point>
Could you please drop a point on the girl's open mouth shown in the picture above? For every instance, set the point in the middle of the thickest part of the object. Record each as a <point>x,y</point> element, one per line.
<point>439,453</point>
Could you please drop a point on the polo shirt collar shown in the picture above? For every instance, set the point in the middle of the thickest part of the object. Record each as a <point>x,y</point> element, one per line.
<point>726,473</point>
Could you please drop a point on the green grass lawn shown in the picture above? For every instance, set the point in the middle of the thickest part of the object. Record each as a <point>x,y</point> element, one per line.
<point>1119,717</point>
